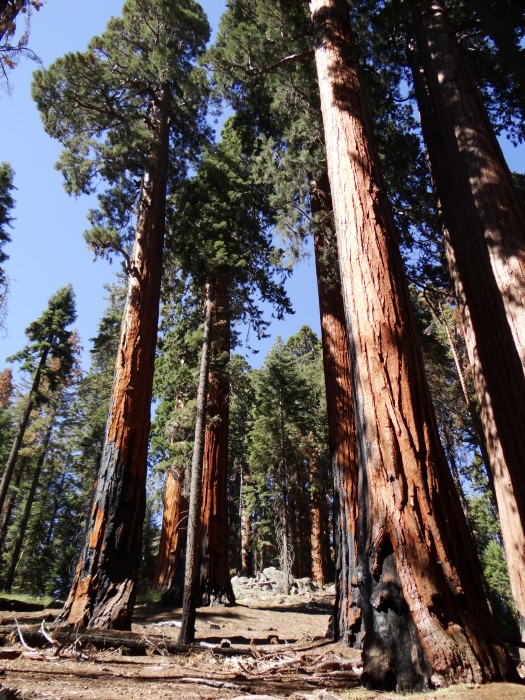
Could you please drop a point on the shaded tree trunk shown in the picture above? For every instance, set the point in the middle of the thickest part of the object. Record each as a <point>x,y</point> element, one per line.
<point>9,504</point>
<point>340,407</point>
<point>511,54</point>
<point>169,572</point>
<point>429,620</point>
<point>103,591</point>
<point>19,541</point>
<point>214,576</point>
<point>484,229</point>
<point>191,571</point>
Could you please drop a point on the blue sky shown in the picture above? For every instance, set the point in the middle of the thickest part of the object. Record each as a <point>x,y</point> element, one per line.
<point>48,249</point>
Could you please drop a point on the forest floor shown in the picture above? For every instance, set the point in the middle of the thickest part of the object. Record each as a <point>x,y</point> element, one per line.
<point>272,647</point>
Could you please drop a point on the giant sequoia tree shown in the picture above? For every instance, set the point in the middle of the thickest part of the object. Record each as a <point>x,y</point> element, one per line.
<point>415,620</point>
<point>264,66</point>
<point>127,110</point>
<point>484,229</point>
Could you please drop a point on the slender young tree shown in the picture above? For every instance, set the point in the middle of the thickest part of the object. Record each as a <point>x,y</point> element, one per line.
<point>129,108</point>
<point>421,620</point>
<point>30,499</point>
<point>6,205</point>
<point>191,570</point>
<point>48,357</point>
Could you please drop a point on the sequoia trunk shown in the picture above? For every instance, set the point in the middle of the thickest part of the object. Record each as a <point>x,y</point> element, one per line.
<point>510,53</point>
<point>246,529</point>
<point>215,582</point>
<point>423,609</point>
<point>340,406</point>
<point>316,526</point>
<point>484,228</point>
<point>103,590</point>
<point>169,572</point>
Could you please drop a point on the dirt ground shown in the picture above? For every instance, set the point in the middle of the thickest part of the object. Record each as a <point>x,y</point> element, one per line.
<point>271,648</point>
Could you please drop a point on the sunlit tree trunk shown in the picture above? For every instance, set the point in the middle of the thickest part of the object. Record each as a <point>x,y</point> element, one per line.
<point>246,529</point>
<point>103,591</point>
<point>423,609</point>
<point>170,559</point>
<point>316,524</point>
<point>484,229</point>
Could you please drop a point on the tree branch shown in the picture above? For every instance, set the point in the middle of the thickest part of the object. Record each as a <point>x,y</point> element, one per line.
<point>292,58</point>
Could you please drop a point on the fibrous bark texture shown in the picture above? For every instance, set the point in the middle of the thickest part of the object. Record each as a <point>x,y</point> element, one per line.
<point>340,407</point>
<point>423,610</point>
<point>316,526</point>
<point>484,229</point>
<point>246,529</point>
<point>103,591</point>
<point>170,560</point>
<point>215,581</point>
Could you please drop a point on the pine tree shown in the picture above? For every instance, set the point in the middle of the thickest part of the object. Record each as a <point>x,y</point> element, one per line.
<point>130,108</point>
<point>49,359</point>
<point>279,455</point>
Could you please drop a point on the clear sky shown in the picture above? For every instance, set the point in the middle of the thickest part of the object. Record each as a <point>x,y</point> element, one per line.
<point>48,249</point>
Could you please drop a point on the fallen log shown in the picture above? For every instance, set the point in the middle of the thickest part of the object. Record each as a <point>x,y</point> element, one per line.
<point>130,643</point>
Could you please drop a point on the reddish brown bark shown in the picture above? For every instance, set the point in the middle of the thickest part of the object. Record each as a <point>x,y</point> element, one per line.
<point>340,407</point>
<point>103,591</point>
<point>484,228</point>
<point>246,530</point>
<point>316,525</point>
<point>215,582</point>
<point>172,544</point>
<point>6,388</point>
<point>424,613</point>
